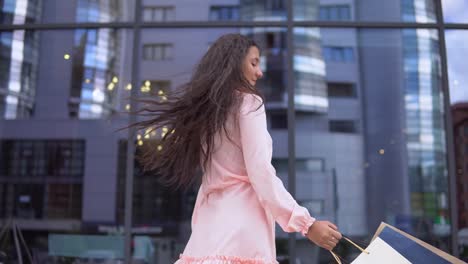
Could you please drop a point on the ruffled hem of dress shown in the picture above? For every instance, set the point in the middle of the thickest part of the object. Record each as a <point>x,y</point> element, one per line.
<point>222,260</point>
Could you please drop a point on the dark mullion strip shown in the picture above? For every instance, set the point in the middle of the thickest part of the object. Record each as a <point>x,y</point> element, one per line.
<point>62,26</point>
<point>455,26</point>
<point>230,24</point>
<point>131,137</point>
<point>448,132</point>
<point>363,24</point>
<point>291,119</point>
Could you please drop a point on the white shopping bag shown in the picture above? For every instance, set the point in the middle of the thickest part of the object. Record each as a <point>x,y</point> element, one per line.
<point>380,252</point>
<point>393,246</point>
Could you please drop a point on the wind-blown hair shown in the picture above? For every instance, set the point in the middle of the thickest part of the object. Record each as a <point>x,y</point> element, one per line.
<point>196,113</point>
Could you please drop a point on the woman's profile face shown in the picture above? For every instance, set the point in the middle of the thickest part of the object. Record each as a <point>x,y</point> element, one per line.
<point>251,66</point>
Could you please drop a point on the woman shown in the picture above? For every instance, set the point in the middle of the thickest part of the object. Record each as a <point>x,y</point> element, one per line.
<point>218,125</point>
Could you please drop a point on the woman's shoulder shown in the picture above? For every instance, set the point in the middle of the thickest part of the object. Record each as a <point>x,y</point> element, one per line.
<point>250,102</point>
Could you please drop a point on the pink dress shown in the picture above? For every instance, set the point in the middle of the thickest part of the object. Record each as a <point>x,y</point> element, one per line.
<point>241,197</point>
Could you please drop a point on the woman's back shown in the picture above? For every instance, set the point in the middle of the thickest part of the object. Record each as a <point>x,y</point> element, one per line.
<point>227,164</point>
<point>240,197</point>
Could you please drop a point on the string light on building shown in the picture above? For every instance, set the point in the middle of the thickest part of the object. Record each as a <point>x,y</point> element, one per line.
<point>146,87</point>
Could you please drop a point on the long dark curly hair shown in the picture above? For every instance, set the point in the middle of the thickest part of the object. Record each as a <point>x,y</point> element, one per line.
<point>195,113</point>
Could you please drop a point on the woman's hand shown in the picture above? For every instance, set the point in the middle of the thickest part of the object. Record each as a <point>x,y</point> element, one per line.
<point>324,234</point>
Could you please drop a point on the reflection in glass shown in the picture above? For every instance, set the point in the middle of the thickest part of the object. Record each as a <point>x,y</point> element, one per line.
<point>97,11</point>
<point>381,138</point>
<point>95,74</point>
<point>224,13</point>
<point>369,116</point>
<point>263,10</point>
<point>272,60</point>
<point>425,131</point>
<point>341,12</point>
<point>308,68</point>
<point>309,71</point>
<point>420,11</point>
<point>20,11</point>
<point>158,211</point>
<point>457,44</point>
<point>34,11</point>
<point>158,13</point>
<point>33,169</point>
<point>455,11</point>
<point>18,73</point>
<point>58,174</point>
<point>167,207</point>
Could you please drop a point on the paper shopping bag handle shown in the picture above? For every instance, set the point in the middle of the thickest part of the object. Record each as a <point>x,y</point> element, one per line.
<point>337,258</point>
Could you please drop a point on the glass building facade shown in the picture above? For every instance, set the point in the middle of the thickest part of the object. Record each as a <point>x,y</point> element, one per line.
<point>358,98</point>
<point>19,73</point>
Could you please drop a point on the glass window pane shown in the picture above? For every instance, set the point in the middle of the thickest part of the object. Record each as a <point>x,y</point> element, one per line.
<point>158,52</point>
<point>355,115</point>
<point>419,11</point>
<point>20,12</point>
<point>19,63</point>
<point>333,13</point>
<point>348,54</point>
<point>168,51</point>
<point>323,15</point>
<point>170,14</point>
<point>245,10</point>
<point>345,13</point>
<point>457,41</point>
<point>156,206</point>
<point>91,58</point>
<point>455,11</point>
<point>37,11</point>
<point>341,89</point>
<point>58,172</point>
<point>147,14</point>
<point>158,14</point>
<point>401,104</point>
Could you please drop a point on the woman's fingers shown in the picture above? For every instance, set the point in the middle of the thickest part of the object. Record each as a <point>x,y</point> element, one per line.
<point>336,234</point>
<point>329,245</point>
<point>324,234</point>
<point>332,240</point>
<point>333,226</point>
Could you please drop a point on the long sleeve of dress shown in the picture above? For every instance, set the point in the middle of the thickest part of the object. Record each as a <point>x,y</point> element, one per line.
<point>257,151</point>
